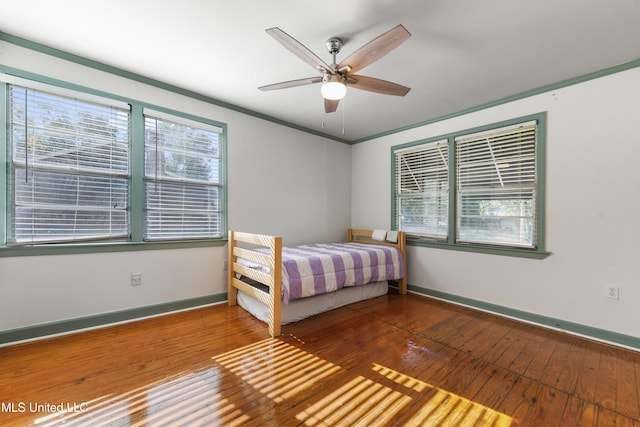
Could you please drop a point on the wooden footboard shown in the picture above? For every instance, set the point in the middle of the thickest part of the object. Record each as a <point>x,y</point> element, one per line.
<point>244,245</point>
<point>272,260</point>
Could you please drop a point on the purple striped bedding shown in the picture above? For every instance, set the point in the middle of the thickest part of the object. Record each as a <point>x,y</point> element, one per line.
<point>315,269</point>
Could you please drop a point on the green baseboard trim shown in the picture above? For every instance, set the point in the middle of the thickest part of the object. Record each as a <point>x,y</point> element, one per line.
<point>563,325</point>
<point>99,320</point>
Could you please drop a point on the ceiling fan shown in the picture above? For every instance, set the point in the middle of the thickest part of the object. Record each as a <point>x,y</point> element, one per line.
<point>336,77</point>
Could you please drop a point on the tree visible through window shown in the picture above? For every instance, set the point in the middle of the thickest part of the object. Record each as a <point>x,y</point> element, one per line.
<point>182,179</point>
<point>69,169</point>
<point>496,186</point>
<point>423,189</point>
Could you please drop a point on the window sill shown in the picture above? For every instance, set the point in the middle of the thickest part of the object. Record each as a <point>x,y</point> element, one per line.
<point>483,249</point>
<point>86,248</point>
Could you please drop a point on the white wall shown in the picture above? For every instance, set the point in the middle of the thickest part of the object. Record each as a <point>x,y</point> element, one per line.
<point>592,204</point>
<point>280,181</point>
<point>291,184</point>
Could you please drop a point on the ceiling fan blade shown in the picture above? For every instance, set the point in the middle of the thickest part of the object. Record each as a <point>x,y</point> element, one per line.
<point>297,48</point>
<point>291,83</point>
<point>377,85</point>
<point>331,105</point>
<point>375,49</point>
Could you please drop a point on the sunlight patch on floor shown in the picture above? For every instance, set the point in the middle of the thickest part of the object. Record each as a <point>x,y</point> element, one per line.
<point>180,398</point>
<point>277,369</point>
<point>365,401</point>
<point>359,401</point>
<point>226,394</point>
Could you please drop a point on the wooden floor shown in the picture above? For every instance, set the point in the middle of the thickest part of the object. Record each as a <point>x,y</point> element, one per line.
<point>395,360</point>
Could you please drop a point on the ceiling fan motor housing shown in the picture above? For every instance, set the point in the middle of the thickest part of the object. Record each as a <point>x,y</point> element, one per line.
<point>334,45</point>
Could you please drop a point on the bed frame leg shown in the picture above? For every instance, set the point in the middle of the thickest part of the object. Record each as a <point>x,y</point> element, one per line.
<point>232,292</point>
<point>402,238</point>
<point>403,286</point>
<point>275,305</point>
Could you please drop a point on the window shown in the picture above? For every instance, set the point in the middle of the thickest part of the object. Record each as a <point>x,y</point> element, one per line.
<point>496,186</point>
<point>478,190</point>
<point>423,189</point>
<point>78,168</point>
<point>69,169</point>
<point>182,179</point>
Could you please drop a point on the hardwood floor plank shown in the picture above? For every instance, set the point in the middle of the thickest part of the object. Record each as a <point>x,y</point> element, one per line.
<point>394,360</point>
<point>627,402</point>
<point>492,330</point>
<point>521,400</point>
<point>557,362</point>
<point>550,406</point>
<point>635,360</point>
<point>509,356</point>
<point>487,390</point>
<point>609,418</point>
<point>461,335</point>
<point>568,376</point>
<point>572,415</point>
<point>607,379</point>
<point>587,384</point>
<point>540,360</point>
<point>496,389</point>
<point>447,401</point>
<point>506,348</point>
<point>589,415</point>
<point>527,355</point>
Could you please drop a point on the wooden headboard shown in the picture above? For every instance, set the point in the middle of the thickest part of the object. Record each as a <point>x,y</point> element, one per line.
<point>366,236</point>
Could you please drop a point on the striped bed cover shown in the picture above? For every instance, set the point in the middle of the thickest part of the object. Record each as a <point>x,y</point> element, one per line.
<point>320,268</point>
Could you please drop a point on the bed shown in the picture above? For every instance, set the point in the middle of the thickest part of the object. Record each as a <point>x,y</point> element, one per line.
<point>279,285</point>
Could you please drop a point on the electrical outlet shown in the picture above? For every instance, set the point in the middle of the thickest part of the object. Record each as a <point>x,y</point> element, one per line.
<point>136,279</point>
<point>613,292</point>
<point>225,265</point>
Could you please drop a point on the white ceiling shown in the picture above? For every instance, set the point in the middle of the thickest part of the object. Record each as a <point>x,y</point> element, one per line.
<point>462,53</point>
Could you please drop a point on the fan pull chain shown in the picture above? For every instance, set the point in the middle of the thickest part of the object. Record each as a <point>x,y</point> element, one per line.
<point>344,107</point>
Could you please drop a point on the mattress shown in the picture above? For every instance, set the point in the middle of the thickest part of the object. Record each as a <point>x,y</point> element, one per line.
<point>314,269</point>
<point>306,307</point>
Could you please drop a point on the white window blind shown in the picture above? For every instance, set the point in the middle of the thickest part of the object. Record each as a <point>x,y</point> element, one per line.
<point>69,169</point>
<point>496,186</point>
<point>422,193</point>
<point>182,179</point>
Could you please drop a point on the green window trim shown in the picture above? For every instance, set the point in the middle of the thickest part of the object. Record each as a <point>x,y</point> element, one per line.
<point>537,252</point>
<point>482,249</point>
<point>90,248</point>
<point>135,241</point>
<point>4,136</point>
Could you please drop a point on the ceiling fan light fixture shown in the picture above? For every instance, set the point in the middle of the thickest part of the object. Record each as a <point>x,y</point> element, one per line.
<point>333,87</point>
